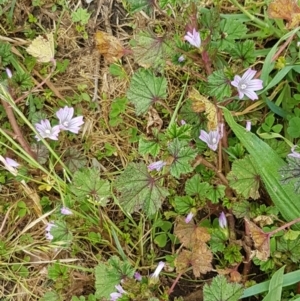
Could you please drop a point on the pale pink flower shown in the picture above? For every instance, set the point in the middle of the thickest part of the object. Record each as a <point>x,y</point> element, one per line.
<point>66,211</point>
<point>193,38</point>
<point>10,165</point>
<point>137,276</point>
<point>158,165</point>
<point>159,268</point>
<point>189,217</point>
<point>248,125</point>
<point>222,220</point>
<point>293,153</point>
<point>116,295</point>
<point>8,72</point>
<point>45,130</point>
<point>211,139</point>
<point>246,85</point>
<point>66,120</point>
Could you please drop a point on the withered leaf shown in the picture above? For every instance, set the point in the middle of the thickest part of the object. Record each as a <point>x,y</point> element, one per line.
<point>201,259</point>
<point>109,46</point>
<point>190,234</point>
<point>287,10</point>
<point>202,104</point>
<point>261,240</point>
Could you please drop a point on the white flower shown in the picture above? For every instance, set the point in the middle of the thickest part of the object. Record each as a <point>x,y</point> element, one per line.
<point>66,211</point>
<point>66,120</point>
<point>246,85</point>
<point>10,165</point>
<point>158,165</point>
<point>248,125</point>
<point>193,38</point>
<point>159,268</point>
<point>189,217</point>
<point>45,130</point>
<point>211,139</point>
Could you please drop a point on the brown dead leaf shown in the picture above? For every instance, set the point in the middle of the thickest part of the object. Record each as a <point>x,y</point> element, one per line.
<point>183,261</point>
<point>287,10</point>
<point>190,234</point>
<point>201,259</point>
<point>202,104</point>
<point>263,220</point>
<point>109,46</point>
<point>260,239</point>
<point>154,120</point>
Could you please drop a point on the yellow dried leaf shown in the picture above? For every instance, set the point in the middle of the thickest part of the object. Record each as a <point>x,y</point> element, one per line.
<point>202,104</point>
<point>42,48</point>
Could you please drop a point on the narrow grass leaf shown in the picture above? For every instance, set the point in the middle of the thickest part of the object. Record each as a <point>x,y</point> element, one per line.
<point>268,163</point>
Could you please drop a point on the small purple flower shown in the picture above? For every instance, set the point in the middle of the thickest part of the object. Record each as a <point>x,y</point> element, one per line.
<point>66,211</point>
<point>293,153</point>
<point>181,59</point>
<point>10,165</point>
<point>45,130</point>
<point>158,165</point>
<point>211,139</point>
<point>182,122</point>
<point>50,225</point>
<point>116,295</point>
<point>248,125</point>
<point>246,85</point>
<point>157,271</point>
<point>222,220</point>
<point>193,38</point>
<point>189,217</point>
<point>66,120</point>
<point>8,72</point>
<point>137,276</point>
<point>49,236</point>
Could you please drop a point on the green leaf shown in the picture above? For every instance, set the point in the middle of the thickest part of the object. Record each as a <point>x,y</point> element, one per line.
<point>138,5</point>
<point>183,204</point>
<point>182,132</point>
<point>275,287</point>
<point>214,193</point>
<point>294,127</point>
<point>183,154</point>
<point>194,186</point>
<point>138,190</point>
<point>81,15</point>
<point>288,279</point>
<point>217,241</point>
<point>244,178</point>
<point>219,85</point>
<point>87,183</point>
<point>161,240</point>
<point>221,290</point>
<point>118,106</point>
<point>61,233</point>
<point>230,30</point>
<point>290,247</point>
<point>148,147</point>
<point>283,197</point>
<point>150,50</point>
<point>244,51</point>
<point>109,274</point>
<point>145,89</point>
<point>74,159</point>
<point>51,296</point>
<point>280,147</point>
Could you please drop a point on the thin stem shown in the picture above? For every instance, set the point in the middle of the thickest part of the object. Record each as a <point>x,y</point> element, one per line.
<point>179,103</point>
<point>251,17</point>
<point>297,220</point>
